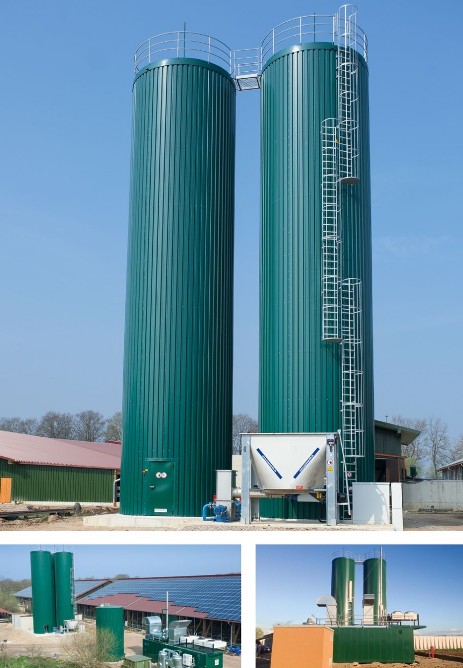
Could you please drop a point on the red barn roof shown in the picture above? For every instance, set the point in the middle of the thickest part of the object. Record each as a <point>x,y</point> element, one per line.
<point>25,449</point>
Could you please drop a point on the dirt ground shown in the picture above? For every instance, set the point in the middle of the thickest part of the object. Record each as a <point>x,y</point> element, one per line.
<point>22,643</point>
<point>421,662</point>
<point>412,522</point>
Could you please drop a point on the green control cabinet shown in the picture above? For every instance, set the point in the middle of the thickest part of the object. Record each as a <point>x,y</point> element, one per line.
<point>393,644</point>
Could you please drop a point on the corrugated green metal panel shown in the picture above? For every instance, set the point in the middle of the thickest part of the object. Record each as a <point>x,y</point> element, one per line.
<point>393,644</point>
<point>56,483</point>
<point>343,588</point>
<point>374,582</point>
<point>300,376</point>
<point>43,591</point>
<point>110,631</point>
<point>178,340</point>
<point>64,586</point>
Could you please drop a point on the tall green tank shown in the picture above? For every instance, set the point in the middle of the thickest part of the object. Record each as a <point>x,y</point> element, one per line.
<point>300,375</point>
<point>177,406</point>
<point>110,632</point>
<point>64,586</point>
<point>43,591</point>
<point>343,589</point>
<point>374,582</point>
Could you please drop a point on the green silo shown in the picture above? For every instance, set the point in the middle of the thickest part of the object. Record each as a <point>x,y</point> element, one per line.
<point>110,632</point>
<point>374,583</point>
<point>343,589</point>
<point>177,407</point>
<point>64,586</point>
<point>300,374</point>
<point>43,591</point>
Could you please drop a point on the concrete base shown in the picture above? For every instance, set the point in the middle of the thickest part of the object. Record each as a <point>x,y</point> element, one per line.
<point>123,521</point>
<point>176,523</point>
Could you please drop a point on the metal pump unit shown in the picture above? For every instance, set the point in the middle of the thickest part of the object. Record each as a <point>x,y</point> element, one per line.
<point>302,466</point>
<point>227,504</point>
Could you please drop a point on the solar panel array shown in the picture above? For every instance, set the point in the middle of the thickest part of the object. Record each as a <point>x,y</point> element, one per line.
<point>80,586</point>
<point>218,596</point>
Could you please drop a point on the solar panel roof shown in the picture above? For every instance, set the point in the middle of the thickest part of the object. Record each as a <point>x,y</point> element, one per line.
<point>218,596</point>
<point>80,587</point>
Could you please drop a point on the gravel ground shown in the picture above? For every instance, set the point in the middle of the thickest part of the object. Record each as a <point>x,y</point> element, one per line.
<point>412,522</point>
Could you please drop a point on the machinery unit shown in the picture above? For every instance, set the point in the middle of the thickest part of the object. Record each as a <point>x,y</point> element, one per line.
<point>178,649</point>
<point>110,631</point>
<point>177,406</point>
<point>299,466</point>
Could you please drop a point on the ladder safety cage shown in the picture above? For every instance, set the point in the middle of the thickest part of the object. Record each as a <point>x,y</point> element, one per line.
<point>347,64</point>
<point>353,430</point>
<point>331,237</point>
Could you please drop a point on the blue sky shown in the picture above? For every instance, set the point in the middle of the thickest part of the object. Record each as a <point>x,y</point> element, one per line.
<point>423,578</point>
<point>65,120</point>
<point>134,560</point>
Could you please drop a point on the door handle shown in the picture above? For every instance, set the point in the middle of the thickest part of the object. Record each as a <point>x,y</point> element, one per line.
<point>152,487</point>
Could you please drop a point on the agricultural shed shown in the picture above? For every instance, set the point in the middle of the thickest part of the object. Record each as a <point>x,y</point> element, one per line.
<point>452,471</point>
<point>389,439</point>
<point>212,602</point>
<point>34,468</point>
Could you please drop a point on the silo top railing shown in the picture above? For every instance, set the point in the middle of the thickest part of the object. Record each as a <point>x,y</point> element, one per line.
<point>183,44</point>
<point>315,28</point>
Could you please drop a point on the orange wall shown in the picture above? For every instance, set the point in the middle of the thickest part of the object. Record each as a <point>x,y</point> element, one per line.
<point>302,647</point>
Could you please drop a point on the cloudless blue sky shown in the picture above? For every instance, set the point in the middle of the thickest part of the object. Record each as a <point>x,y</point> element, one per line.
<point>102,561</point>
<point>423,578</point>
<point>65,120</point>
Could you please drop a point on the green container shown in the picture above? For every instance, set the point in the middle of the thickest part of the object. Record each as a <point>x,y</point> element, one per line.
<point>43,591</point>
<point>177,407</point>
<point>110,632</point>
<point>64,586</point>
<point>203,657</point>
<point>136,661</point>
<point>392,644</point>
<point>343,589</point>
<point>374,582</point>
<point>300,375</point>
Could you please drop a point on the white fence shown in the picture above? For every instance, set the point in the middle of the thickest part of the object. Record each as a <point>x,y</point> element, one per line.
<point>439,642</point>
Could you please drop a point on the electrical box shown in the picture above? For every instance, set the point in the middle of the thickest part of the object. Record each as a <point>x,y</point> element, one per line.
<point>136,661</point>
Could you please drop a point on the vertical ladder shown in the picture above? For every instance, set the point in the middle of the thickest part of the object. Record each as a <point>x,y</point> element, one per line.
<point>347,85</point>
<point>353,429</point>
<point>330,231</point>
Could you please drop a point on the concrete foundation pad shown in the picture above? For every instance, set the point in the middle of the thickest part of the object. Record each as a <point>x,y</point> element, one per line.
<point>197,523</point>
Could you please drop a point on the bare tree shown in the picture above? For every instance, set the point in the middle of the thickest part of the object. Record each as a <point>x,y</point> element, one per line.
<point>113,431</point>
<point>242,424</point>
<point>56,425</point>
<point>19,425</point>
<point>89,426</point>
<point>416,453</point>
<point>456,451</point>
<point>437,444</point>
